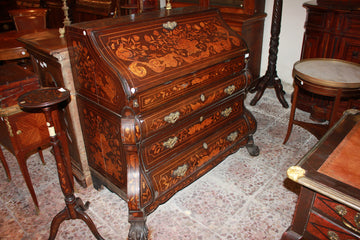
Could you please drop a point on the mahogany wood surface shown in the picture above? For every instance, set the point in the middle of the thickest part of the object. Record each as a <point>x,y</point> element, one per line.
<point>328,208</point>
<point>331,31</point>
<point>161,102</point>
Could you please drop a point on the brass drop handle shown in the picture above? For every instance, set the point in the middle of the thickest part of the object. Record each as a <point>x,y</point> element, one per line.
<point>172,117</point>
<point>170,143</point>
<point>332,235</point>
<point>230,89</point>
<point>341,211</point>
<point>232,136</point>
<point>226,112</point>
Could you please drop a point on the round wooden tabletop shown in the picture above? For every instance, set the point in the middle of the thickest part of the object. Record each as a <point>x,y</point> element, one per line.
<point>328,72</point>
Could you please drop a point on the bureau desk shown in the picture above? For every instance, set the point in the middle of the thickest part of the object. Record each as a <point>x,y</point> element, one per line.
<point>329,203</point>
<point>161,102</point>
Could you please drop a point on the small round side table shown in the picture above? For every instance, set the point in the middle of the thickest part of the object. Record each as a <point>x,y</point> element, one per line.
<point>49,100</point>
<point>326,77</point>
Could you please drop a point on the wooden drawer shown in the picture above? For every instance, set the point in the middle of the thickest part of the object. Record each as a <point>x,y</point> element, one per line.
<point>342,215</point>
<point>156,150</point>
<point>321,228</point>
<point>316,19</point>
<point>351,25</point>
<point>196,156</point>
<point>152,122</point>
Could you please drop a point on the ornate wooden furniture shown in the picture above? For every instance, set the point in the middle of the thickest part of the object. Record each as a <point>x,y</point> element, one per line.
<point>21,133</point>
<point>51,62</point>
<point>47,101</point>
<point>29,19</point>
<point>10,48</point>
<point>325,77</point>
<point>161,102</point>
<point>271,79</point>
<point>329,202</point>
<point>331,31</point>
<point>244,16</point>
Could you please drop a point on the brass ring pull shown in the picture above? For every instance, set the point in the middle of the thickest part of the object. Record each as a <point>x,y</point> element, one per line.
<point>230,89</point>
<point>341,211</point>
<point>226,112</point>
<point>170,143</point>
<point>232,136</point>
<point>172,117</point>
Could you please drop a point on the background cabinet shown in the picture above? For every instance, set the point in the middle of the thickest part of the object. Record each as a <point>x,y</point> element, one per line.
<point>331,31</point>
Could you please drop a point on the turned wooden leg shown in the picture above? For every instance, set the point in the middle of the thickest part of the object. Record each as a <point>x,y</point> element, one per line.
<point>4,163</point>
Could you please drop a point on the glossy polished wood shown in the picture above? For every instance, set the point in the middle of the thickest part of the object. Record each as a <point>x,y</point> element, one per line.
<point>325,77</point>
<point>49,101</point>
<point>328,206</point>
<point>162,108</point>
<point>10,47</point>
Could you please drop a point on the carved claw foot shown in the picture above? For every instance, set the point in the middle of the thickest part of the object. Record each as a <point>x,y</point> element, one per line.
<point>138,231</point>
<point>252,148</point>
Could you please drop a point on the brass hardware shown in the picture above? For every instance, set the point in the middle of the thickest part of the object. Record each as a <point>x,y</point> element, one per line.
<point>170,25</point>
<point>230,89</point>
<point>332,235</point>
<point>226,112</point>
<point>18,132</point>
<point>180,171</point>
<point>341,211</point>
<point>170,143</point>
<point>8,126</point>
<point>202,97</point>
<point>232,136</point>
<point>295,172</point>
<point>205,146</point>
<point>135,104</point>
<point>172,117</point>
<point>201,118</point>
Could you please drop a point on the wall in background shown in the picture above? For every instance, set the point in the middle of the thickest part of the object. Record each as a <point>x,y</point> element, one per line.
<point>291,37</point>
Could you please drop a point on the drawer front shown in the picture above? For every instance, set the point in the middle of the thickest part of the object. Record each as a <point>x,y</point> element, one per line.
<point>316,19</point>
<point>352,24</point>
<point>199,155</point>
<point>339,213</point>
<point>349,49</point>
<point>179,87</point>
<point>161,118</point>
<point>322,229</point>
<point>156,150</point>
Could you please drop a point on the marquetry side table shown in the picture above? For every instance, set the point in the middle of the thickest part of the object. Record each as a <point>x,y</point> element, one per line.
<point>326,77</point>
<point>49,101</point>
<point>329,202</point>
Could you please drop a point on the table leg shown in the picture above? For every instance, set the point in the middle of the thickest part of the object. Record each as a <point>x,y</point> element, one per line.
<point>292,113</point>
<point>335,108</point>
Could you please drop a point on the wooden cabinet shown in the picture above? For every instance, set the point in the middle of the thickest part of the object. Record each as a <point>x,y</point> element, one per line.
<point>50,58</point>
<point>161,101</point>
<point>331,31</point>
<point>329,202</point>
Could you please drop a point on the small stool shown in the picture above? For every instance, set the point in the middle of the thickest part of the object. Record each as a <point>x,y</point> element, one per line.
<point>326,77</point>
<point>49,101</point>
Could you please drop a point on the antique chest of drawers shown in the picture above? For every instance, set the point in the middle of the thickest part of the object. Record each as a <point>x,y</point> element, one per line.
<point>161,102</point>
<point>329,203</point>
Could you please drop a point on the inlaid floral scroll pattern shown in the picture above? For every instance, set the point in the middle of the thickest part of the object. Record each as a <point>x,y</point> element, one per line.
<point>161,48</point>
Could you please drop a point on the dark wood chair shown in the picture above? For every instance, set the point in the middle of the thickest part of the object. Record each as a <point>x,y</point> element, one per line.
<point>28,19</point>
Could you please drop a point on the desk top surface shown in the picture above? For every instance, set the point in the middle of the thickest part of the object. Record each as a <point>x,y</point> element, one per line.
<point>328,72</point>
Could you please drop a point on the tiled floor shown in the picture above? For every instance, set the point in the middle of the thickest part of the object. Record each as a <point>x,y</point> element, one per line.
<point>243,198</point>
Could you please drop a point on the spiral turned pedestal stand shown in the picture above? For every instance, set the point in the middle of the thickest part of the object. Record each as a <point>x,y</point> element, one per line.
<point>271,79</point>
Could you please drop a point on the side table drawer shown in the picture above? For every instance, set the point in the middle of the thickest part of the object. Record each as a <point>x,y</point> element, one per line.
<point>344,216</point>
<point>323,229</point>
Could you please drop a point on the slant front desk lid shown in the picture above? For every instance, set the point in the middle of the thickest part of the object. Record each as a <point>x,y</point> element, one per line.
<point>171,44</point>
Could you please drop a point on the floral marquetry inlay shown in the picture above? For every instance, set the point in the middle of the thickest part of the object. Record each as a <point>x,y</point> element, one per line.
<point>160,48</point>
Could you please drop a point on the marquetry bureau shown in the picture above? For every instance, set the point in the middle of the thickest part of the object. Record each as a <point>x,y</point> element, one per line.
<point>161,102</point>
<point>329,203</point>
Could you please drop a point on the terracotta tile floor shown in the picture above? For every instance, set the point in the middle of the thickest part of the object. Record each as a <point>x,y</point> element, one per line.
<point>243,198</point>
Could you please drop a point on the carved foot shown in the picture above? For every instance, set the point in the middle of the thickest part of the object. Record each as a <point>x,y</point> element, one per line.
<point>280,92</point>
<point>252,148</point>
<point>138,231</point>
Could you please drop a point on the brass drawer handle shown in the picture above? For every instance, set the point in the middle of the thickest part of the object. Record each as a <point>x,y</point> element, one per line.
<point>202,97</point>
<point>226,112</point>
<point>170,143</point>
<point>232,136</point>
<point>170,25</point>
<point>172,117</point>
<point>18,132</point>
<point>180,171</point>
<point>230,89</point>
<point>332,235</point>
<point>341,211</point>
<point>205,146</point>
